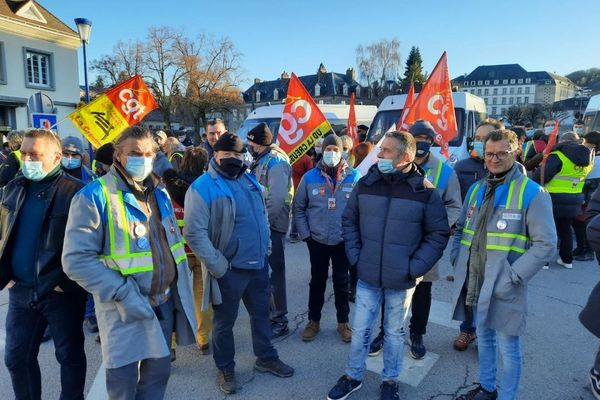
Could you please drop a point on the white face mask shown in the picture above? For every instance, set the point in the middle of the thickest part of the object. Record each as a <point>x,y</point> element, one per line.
<point>139,167</point>
<point>332,158</point>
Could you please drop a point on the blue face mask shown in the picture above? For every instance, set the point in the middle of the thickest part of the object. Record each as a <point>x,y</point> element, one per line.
<point>332,158</point>
<point>578,131</point>
<point>139,167</point>
<point>478,149</point>
<point>33,170</point>
<point>530,133</point>
<point>548,130</point>
<point>386,166</point>
<point>70,163</point>
<point>423,148</point>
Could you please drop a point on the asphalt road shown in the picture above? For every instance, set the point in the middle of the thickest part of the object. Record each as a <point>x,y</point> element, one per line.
<point>558,351</point>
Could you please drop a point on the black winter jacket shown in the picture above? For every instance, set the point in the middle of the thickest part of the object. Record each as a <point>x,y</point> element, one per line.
<point>395,228</point>
<point>48,265</point>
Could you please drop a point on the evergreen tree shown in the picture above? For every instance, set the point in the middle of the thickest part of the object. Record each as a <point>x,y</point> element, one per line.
<point>414,68</point>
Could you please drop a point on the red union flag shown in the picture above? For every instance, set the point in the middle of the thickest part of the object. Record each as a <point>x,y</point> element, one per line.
<point>410,99</point>
<point>103,120</point>
<point>302,122</point>
<point>352,128</point>
<point>434,104</point>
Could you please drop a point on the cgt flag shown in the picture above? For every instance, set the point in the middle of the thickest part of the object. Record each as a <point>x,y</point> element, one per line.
<point>302,122</point>
<point>103,120</point>
<point>434,104</point>
<point>352,128</point>
<point>410,100</point>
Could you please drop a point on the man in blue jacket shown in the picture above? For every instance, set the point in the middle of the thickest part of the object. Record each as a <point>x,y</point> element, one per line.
<point>395,228</point>
<point>226,227</point>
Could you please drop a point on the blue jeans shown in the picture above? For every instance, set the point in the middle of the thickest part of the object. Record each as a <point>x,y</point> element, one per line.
<point>512,359</point>
<point>26,322</point>
<point>368,302</point>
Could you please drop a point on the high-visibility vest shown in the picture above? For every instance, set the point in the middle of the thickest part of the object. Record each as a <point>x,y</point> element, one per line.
<point>570,178</point>
<point>437,173</point>
<point>508,231</point>
<point>18,156</point>
<point>175,153</point>
<point>129,241</point>
<point>526,149</point>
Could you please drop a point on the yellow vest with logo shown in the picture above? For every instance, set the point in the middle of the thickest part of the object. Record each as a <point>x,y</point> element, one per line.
<point>17,154</point>
<point>570,178</point>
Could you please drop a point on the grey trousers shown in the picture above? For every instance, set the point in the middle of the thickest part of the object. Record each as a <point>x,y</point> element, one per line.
<point>145,379</point>
<point>278,284</point>
<point>597,362</point>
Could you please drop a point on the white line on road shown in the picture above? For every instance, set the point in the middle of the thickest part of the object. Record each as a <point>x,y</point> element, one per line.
<point>98,389</point>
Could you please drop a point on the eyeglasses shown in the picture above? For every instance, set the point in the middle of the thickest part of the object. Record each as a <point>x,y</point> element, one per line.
<point>501,155</point>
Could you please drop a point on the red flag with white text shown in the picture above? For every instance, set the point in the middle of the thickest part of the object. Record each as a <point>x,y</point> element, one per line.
<point>434,104</point>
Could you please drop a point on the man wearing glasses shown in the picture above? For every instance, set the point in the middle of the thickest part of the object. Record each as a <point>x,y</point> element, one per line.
<point>504,236</point>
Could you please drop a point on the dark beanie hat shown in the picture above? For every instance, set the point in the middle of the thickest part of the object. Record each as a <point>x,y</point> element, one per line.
<point>261,134</point>
<point>421,127</point>
<point>230,142</point>
<point>104,154</point>
<point>333,139</point>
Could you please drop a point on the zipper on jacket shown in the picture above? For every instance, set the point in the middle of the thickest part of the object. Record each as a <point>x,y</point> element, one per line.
<point>387,214</point>
<point>161,265</point>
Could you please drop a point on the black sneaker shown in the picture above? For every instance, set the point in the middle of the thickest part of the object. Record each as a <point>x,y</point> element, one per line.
<point>47,336</point>
<point>417,348</point>
<point>389,391</point>
<point>578,251</point>
<point>376,346</point>
<point>91,324</point>
<point>595,383</point>
<point>226,381</point>
<point>275,367</point>
<point>584,257</point>
<point>344,387</point>
<point>479,393</point>
<point>279,329</point>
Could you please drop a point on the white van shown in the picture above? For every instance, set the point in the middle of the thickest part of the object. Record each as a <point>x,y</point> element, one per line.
<point>336,114</point>
<point>469,109</point>
<point>591,116</point>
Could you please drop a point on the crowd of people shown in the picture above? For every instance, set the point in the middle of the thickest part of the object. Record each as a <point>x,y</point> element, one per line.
<point>156,241</point>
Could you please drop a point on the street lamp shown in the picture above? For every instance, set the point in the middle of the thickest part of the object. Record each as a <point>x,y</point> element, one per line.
<point>84,26</point>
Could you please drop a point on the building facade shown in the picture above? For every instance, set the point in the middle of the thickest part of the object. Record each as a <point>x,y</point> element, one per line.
<point>325,88</point>
<point>502,86</point>
<point>38,68</point>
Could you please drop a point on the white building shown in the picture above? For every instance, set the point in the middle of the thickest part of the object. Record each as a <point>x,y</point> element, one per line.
<point>502,86</point>
<point>38,57</point>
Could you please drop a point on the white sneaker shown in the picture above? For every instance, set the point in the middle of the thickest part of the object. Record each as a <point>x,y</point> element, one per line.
<point>546,266</point>
<point>559,261</point>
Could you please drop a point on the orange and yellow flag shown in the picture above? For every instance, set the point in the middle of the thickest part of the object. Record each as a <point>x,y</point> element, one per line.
<point>103,120</point>
<point>302,122</point>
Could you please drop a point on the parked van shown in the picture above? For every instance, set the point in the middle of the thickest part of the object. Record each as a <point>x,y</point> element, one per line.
<point>470,110</point>
<point>591,116</point>
<point>336,114</point>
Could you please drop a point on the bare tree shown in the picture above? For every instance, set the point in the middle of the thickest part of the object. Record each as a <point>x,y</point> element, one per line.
<point>379,61</point>
<point>126,61</point>
<point>213,73</point>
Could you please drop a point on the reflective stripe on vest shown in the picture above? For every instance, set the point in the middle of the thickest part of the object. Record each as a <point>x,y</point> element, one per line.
<point>176,153</point>
<point>18,156</point>
<point>121,258</point>
<point>570,178</point>
<point>526,149</point>
<point>436,175</point>
<point>500,241</point>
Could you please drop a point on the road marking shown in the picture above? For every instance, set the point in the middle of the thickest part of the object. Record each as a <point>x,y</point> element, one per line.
<point>98,389</point>
<point>413,371</point>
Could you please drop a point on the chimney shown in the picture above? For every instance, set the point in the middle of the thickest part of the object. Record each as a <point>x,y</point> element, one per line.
<point>351,74</point>
<point>285,75</point>
<point>322,69</point>
<point>257,81</point>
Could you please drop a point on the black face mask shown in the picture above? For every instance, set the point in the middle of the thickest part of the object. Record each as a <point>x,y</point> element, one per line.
<point>423,148</point>
<point>232,167</point>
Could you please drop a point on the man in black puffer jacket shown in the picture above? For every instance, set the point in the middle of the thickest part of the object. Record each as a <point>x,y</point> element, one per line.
<point>564,176</point>
<point>33,216</point>
<point>395,229</point>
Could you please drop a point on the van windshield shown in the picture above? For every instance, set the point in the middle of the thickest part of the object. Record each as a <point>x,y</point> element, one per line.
<point>385,119</point>
<point>273,124</point>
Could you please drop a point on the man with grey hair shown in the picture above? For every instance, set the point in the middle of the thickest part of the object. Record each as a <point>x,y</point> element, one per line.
<point>395,229</point>
<point>12,165</point>
<point>123,246</point>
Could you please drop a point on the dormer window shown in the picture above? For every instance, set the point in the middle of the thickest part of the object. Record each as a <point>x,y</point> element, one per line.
<point>275,94</point>
<point>258,96</point>
<point>317,90</point>
<point>345,89</point>
<point>357,91</point>
<point>30,11</point>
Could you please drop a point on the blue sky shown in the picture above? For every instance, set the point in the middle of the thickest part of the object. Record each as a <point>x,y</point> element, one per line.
<point>274,36</point>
